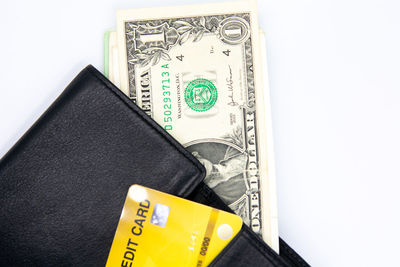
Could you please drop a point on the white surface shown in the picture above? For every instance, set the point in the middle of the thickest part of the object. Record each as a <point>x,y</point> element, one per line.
<point>334,71</point>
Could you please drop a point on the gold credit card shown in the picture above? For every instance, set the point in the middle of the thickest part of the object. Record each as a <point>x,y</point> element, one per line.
<point>158,229</point>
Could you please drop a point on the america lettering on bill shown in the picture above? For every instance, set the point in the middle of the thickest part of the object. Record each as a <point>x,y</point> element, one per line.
<point>196,71</point>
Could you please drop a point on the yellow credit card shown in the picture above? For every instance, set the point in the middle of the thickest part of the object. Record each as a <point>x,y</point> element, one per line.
<point>158,229</point>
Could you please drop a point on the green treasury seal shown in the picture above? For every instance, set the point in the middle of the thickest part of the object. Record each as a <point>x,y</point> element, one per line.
<point>201,95</point>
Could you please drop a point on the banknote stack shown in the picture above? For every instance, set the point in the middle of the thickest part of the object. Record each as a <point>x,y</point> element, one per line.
<point>200,72</point>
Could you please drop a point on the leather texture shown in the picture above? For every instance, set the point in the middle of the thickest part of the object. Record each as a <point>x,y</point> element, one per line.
<point>64,183</point>
<point>247,248</point>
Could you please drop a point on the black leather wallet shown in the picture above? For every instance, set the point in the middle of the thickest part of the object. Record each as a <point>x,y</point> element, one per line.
<point>63,185</point>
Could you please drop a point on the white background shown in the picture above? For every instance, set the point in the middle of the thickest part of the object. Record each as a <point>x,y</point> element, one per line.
<point>334,70</point>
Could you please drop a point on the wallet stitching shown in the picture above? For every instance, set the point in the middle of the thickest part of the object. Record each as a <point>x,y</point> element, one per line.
<point>193,182</point>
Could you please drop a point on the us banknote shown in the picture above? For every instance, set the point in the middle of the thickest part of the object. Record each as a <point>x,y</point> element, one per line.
<point>197,71</point>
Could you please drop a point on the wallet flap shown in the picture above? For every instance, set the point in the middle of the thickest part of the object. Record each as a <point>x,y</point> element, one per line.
<point>64,183</point>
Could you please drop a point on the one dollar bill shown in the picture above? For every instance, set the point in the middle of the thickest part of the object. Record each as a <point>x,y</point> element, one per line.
<point>197,71</point>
